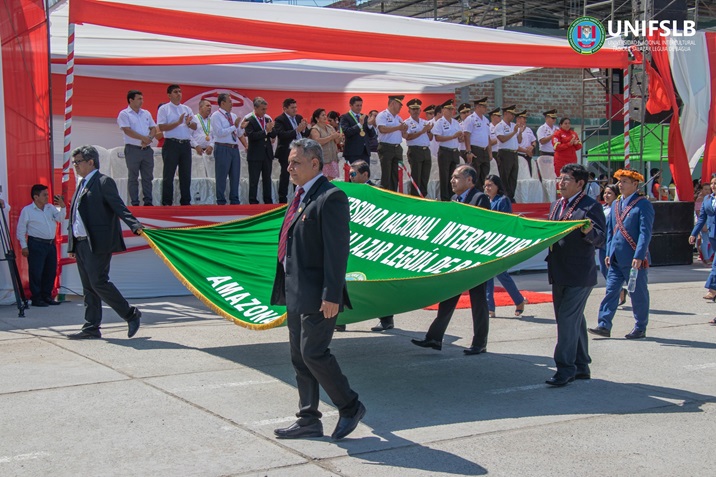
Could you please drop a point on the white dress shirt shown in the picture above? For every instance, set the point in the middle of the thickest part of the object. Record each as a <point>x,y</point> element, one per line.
<point>78,227</point>
<point>414,127</point>
<point>479,129</point>
<point>546,131</point>
<point>493,137</point>
<point>170,113</point>
<point>528,137</point>
<point>140,122</point>
<point>503,129</point>
<point>384,118</point>
<point>222,128</point>
<point>38,223</point>
<point>445,127</point>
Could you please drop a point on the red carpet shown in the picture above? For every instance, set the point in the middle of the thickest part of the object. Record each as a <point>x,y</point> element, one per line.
<point>503,299</point>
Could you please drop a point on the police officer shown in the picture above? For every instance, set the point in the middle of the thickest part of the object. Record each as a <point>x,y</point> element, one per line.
<point>418,137</point>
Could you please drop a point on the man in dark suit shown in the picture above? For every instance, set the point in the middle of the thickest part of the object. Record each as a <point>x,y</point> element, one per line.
<point>260,131</point>
<point>357,128</point>
<point>463,185</point>
<point>288,126</point>
<point>94,235</point>
<point>310,281</point>
<point>572,272</point>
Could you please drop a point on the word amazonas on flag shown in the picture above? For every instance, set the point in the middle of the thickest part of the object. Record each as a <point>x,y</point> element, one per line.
<point>406,253</point>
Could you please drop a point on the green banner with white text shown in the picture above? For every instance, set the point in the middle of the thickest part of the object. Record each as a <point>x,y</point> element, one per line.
<point>406,253</point>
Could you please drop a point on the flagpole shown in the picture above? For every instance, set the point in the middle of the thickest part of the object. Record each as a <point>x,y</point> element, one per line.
<point>626,117</point>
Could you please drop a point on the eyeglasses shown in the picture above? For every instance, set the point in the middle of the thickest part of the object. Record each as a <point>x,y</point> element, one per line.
<point>565,179</point>
<point>78,162</point>
<point>353,174</point>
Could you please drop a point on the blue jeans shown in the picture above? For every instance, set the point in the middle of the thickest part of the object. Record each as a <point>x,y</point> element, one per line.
<point>508,284</point>
<point>227,162</point>
<point>711,280</point>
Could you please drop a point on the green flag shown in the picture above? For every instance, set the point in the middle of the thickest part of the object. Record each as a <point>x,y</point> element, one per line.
<point>406,253</point>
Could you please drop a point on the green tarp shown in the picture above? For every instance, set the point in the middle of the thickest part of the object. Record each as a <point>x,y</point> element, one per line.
<point>656,142</point>
<point>406,253</point>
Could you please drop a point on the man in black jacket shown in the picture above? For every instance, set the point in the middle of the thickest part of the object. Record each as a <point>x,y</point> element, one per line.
<point>463,185</point>
<point>573,273</point>
<point>289,126</point>
<point>94,235</point>
<point>358,128</point>
<point>259,155</point>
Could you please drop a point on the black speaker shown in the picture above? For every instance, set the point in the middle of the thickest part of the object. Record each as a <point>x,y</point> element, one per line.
<point>671,249</point>
<point>673,217</point>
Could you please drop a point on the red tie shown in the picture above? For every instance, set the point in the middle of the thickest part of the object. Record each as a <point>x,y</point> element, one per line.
<point>261,120</point>
<point>286,223</point>
<point>563,207</point>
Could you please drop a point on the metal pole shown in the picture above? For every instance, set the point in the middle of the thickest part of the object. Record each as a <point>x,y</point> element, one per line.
<point>626,117</point>
<point>69,87</point>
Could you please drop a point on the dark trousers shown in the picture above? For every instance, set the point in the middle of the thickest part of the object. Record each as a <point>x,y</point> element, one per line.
<point>481,163</point>
<point>41,268</point>
<point>260,169</point>
<point>227,162</point>
<point>507,165</point>
<point>175,154</point>
<point>96,287</point>
<point>140,161</point>
<point>480,317</point>
<point>571,354</point>
<point>448,160</point>
<point>420,163</point>
<point>283,180</point>
<point>617,276</point>
<point>309,338</point>
<point>390,155</point>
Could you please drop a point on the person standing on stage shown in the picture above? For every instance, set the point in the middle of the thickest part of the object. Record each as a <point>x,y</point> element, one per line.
<point>139,129</point>
<point>477,137</point>
<point>227,132</point>
<point>506,133</point>
<point>36,231</point>
<point>526,140</point>
<point>566,144</point>
<point>356,128</point>
<point>94,235</point>
<point>201,139</point>
<point>259,155</point>
<point>447,133</point>
<point>545,133</point>
<point>390,138</point>
<point>310,281</point>
<point>177,122</point>
<point>289,126</point>
<point>418,137</point>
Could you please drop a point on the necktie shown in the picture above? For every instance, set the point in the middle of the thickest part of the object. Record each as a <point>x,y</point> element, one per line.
<point>233,133</point>
<point>263,124</point>
<point>286,223</point>
<point>294,125</point>
<point>563,207</point>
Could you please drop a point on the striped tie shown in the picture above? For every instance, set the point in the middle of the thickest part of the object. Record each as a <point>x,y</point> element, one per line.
<point>282,242</point>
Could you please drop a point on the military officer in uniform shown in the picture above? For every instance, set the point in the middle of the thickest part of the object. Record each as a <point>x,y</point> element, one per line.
<point>476,128</point>
<point>507,145</point>
<point>447,133</point>
<point>418,137</point>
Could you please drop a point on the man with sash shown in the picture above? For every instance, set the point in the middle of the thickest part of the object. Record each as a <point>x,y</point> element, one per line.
<point>572,273</point>
<point>507,145</point>
<point>356,127</point>
<point>289,127</point>
<point>477,135</point>
<point>226,130</point>
<point>390,139</point>
<point>201,139</point>
<point>418,137</point>
<point>447,133</point>
<point>628,237</point>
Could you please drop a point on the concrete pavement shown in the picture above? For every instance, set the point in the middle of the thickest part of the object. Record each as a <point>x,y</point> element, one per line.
<point>195,395</point>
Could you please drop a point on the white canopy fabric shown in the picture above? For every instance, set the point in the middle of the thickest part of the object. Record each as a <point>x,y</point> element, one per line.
<point>284,48</point>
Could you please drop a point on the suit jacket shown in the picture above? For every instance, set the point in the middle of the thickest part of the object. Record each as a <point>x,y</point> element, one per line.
<point>286,134</point>
<point>476,198</point>
<point>501,203</point>
<point>316,252</point>
<point>638,223</point>
<point>260,146</point>
<point>356,145</point>
<point>707,216</point>
<point>570,261</point>
<point>101,208</point>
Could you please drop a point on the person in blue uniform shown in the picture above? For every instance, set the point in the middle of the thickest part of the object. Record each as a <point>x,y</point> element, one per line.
<point>628,235</point>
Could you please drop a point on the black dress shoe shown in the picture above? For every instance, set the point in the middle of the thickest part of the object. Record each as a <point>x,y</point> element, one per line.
<point>39,303</point>
<point>133,321</point>
<point>427,343</point>
<point>582,376</point>
<point>84,335</point>
<point>52,302</point>
<point>559,381</point>
<point>475,350</point>
<point>340,327</point>
<point>635,334</point>
<point>381,327</point>
<point>346,425</point>
<point>296,431</point>
<point>600,331</point>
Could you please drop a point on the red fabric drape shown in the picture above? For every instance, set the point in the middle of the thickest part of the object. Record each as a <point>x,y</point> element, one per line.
<point>23,30</point>
<point>343,42</point>
<point>658,96</point>
<point>709,164</point>
<point>678,161</point>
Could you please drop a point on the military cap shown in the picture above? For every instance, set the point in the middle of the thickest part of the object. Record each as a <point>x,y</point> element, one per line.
<point>464,108</point>
<point>521,114</point>
<point>429,109</point>
<point>481,101</point>
<point>450,103</point>
<point>495,111</point>
<point>510,109</point>
<point>552,113</point>
<point>396,98</point>
<point>415,103</point>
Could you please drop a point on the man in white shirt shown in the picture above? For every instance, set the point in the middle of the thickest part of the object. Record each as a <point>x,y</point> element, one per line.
<point>390,137</point>
<point>495,117</point>
<point>418,137</point>
<point>447,133</point>
<point>507,145</point>
<point>526,139</point>
<point>177,122</point>
<point>227,130</point>
<point>476,128</point>
<point>545,133</point>
<point>138,128</point>
<point>201,139</point>
<point>36,231</point>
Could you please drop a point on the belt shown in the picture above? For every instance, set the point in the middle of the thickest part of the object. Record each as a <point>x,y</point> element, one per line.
<point>388,144</point>
<point>419,147</point>
<point>479,147</point>
<point>226,144</point>
<point>180,141</point>
<point>136,147</point>
<point>521,154</point>
<point>546,153</point>
<point>35,239</point>
<point>508,150</point>
<point>80,239</point>
<point>453,149</point>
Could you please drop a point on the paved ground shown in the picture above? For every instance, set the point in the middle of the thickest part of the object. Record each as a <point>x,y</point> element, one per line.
<point>194,395</point>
